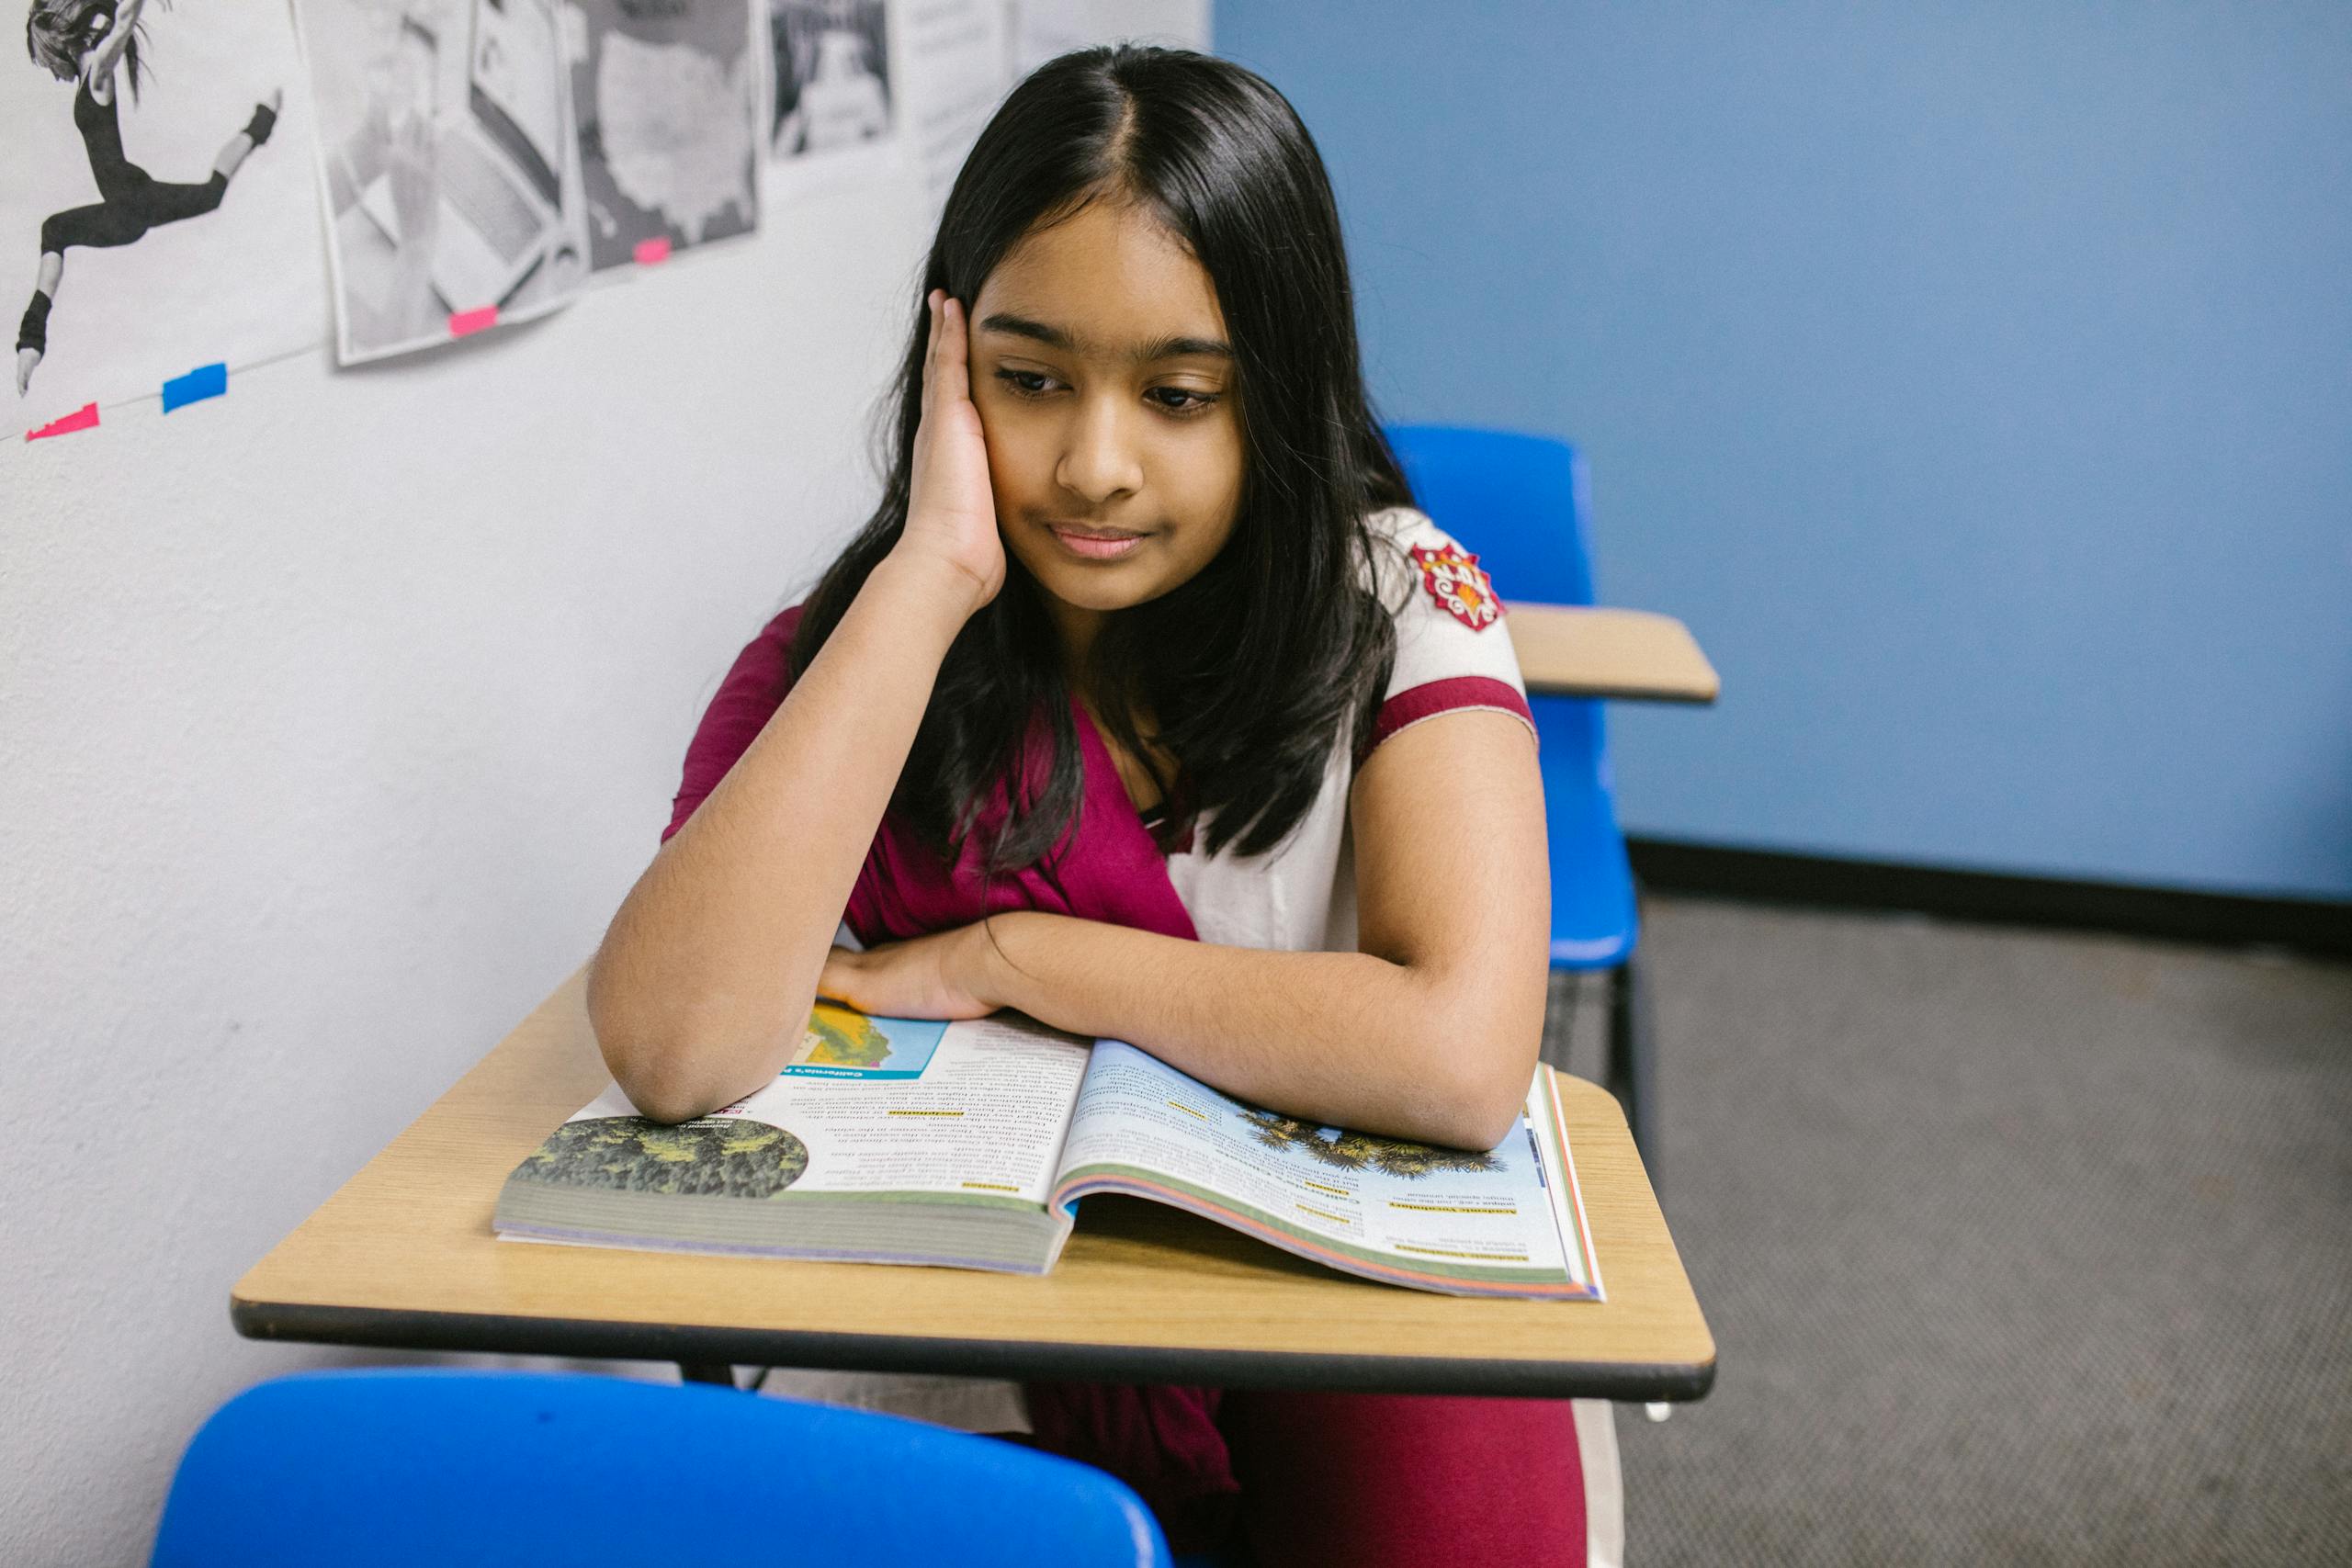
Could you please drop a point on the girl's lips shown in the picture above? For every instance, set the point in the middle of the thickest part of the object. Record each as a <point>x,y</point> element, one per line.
<point>1094,544</point>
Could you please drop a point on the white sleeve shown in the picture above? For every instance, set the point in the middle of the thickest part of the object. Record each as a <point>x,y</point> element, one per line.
<point>1453,649</point>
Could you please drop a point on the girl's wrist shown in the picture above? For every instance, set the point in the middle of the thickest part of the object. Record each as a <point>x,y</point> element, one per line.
<point>929,588</point>
<point>989,977</point>
<point>949,582</point>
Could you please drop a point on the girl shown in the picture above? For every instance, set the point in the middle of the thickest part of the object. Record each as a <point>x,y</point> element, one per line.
<point>88,41</point>
<point>1146,705</point>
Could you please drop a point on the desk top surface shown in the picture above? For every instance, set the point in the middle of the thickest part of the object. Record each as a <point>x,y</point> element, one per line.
<point>404,1256</point>
<point>1601,651</point>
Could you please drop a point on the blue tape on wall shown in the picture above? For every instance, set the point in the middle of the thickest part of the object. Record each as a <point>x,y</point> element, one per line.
<point>204,381</point>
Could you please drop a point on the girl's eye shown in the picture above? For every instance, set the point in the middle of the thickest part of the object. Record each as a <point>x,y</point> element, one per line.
<point>1181,399</point>
<point>1027,383</point>
<point>1180,402</point>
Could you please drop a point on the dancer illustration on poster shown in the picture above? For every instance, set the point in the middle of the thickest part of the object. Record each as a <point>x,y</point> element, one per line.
<point>96,44</point>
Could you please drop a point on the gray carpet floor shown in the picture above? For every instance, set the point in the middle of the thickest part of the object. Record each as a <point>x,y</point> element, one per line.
<point>2018,1246</point>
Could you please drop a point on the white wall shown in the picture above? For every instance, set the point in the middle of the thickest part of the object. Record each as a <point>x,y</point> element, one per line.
<point>335,718</point>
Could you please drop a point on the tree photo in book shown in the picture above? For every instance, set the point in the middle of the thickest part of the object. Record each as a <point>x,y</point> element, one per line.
<point>729,1158</point>
<point>1353,1151</point>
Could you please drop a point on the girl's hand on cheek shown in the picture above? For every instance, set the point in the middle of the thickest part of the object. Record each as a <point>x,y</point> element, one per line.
<point>950,515</point>
<point>931,976</point>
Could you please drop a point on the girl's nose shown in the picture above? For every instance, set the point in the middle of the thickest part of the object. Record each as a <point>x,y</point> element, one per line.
<point>1099,460</point>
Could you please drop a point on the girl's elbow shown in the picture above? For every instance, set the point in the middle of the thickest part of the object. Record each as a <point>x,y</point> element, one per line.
<point>654,1066</point>
<point>659,1097</point>
<point>1486,1088</point>
<point>670,1086</point>
<point>1457,1118</point>
<point>1485,1112</point>
<point>649,1078</point>
<point>1471,1054</point>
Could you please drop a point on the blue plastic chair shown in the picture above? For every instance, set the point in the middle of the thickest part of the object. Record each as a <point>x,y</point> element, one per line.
<point>1520,504</point>
<point>394,1469</point>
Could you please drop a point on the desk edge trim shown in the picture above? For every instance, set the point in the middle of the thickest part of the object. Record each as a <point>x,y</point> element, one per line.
<point>509,1334</point>
<point>1626,692</point>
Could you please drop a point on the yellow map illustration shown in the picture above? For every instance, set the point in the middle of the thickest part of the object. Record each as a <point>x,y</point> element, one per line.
<point>836,1037</point>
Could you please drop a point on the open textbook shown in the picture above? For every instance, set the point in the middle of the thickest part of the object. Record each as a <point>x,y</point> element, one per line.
<point>895,1141</point>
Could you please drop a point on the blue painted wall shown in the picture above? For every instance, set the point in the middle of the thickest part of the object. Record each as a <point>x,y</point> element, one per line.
<point>1975,379</point>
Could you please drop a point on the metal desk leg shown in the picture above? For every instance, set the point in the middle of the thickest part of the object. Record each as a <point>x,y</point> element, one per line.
<point>1631,1071</point>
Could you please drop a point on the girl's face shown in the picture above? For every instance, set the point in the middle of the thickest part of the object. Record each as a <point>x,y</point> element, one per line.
<point>1105,387</point>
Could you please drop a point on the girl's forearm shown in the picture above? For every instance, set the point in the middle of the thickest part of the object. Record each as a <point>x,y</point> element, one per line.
<point>1345,1038</point>
<point>118,38</point>
<point>702,983</point>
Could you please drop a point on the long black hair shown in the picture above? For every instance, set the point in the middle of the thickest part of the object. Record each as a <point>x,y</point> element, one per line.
<point>1276,651</point>
<point>66,30</point>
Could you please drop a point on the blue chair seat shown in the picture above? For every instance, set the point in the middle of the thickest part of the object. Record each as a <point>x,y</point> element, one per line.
<point>394,1469</point>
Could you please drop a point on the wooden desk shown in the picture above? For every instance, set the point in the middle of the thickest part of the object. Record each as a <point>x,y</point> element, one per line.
<point>404,1256</point>
<point>1603,652</point>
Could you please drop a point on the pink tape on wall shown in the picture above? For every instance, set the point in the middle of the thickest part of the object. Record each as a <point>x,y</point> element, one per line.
<point>656,249</point>
<point>464,323</point>
<point>83,417</point>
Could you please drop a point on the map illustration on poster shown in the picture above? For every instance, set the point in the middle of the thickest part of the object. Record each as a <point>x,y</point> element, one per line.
<point>666,94</point>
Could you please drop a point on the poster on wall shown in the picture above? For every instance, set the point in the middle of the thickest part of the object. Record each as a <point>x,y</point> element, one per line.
<point>667,94</point>
<point>831,63</point>
<point>156,214</point>
<point>832,108</point>
<point>956,71</point>
<point>449,164</point>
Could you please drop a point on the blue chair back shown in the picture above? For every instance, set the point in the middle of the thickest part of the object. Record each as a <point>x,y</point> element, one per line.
<point>394,1469</point>
<point>1519,504</point>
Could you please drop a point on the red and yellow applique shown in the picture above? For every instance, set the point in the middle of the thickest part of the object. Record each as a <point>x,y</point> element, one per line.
<point>1461,590</point>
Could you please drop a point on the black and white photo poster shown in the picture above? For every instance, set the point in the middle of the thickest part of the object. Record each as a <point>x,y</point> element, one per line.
<point>830,61</point>
<point>448,157</point>
<point>667,93</point>
<point>156,214</point>
<point>835,96</point>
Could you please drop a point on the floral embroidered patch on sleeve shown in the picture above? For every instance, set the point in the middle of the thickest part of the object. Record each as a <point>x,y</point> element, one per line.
<point>1461,590</point>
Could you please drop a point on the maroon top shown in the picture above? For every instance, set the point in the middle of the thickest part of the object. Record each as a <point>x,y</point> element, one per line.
<point>1109,868</point>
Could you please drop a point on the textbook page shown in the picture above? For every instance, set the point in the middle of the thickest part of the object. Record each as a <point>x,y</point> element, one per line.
<point>974,1110</point>
<point>1454,1220</point>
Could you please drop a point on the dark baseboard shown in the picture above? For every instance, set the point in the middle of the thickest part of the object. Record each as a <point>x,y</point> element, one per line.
<point>2311,925</point>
